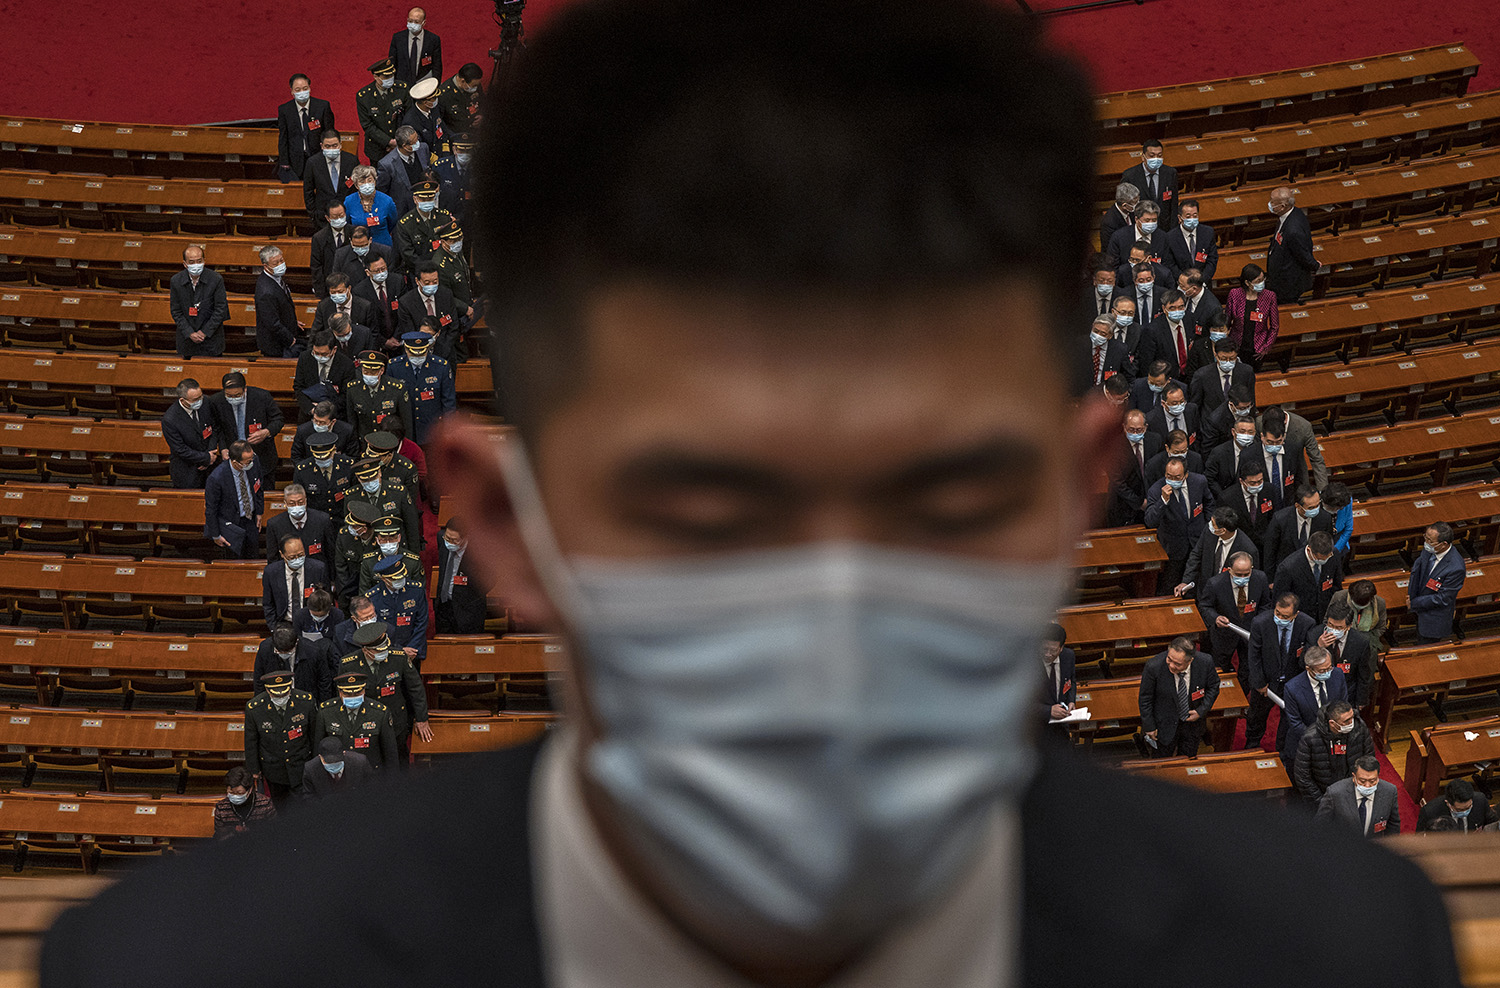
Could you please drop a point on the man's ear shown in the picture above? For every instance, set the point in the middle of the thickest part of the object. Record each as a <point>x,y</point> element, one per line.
<point>463,455</point>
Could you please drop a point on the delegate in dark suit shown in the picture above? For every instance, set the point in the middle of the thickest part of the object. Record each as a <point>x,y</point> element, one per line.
<point>343,432</point>
<point>1059,684</point>
<point>1159,703</point>
<point>382,313</point>
<point>189,441</point>
<point>200,308</point>
<point>222,509</point>
<point>1156,421</point>
<point>1275,657</point>
<point>1204,256</point>
<point>1303,710</point>
<point>317,533</point>
<point>1432,593</point>
<point>295,142</point>
<point>1284,535</point>
<point>1220,598</point>
<point>1160,187</point>
<point>1206,390</point>
<point>319,783</point>
<point>319,189</point>
<point>273,585</point>
<point>1353,657</point>
<point>312,672</point>
<point>394,178</point>
<point>484,801</point>
<point>326,245</point>
<point>429,56</point>
<point>1481,814</point>
<point>260,412</point>
<point>1128,486</point>
<point>1178,524</point>
<point>1254,511</point>
<point>1205,306</point>
<point>1204,562</point>
<point>1159,342</point>
<point>1290,264</point>
<point>1313,585</point>
<point>1222,469</point>
<point>1142,398</point>
<point>1340,807</point>
<point>306,377</point>
<point>347,261</point>
<point>1157,465</point>
<point>1126,237</point>
<point>361,312</point>
<point>462,613</point>
<point>412,309</point>
<point>276,326</point>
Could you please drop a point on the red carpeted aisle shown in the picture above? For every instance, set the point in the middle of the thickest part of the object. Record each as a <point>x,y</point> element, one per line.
<point>192,62</point>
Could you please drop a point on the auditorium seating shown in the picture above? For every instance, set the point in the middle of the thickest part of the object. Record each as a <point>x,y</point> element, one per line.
<point>1114,709</point>
<point>1229,772</point>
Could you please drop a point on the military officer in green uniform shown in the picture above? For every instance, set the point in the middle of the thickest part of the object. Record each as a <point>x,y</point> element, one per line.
<point>381,105</point>
<point>417,236</point>
<point>389,499</point>
<point>381,445</point>
<point>326,475</point>
<point>372,396</point>
<point>362,724</point>
<point>391,681</point>
<point>453,270</point>
<point>354,540</point>
<point>459,98</point>
<point>279,725</point>
<point>390,540</point>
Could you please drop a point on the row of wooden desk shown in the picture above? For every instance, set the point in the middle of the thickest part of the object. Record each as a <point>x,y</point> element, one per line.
<point>198,141</point>
<point>1424,448</point>
<point>132,250</point>
<point>1228,772</point>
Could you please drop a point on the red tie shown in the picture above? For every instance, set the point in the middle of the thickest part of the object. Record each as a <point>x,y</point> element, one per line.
<point>1096,364</point>
<point>1181,349</point>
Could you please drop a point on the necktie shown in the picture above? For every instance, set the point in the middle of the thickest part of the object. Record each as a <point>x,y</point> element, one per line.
<point>1322,696</point>
<point>448,577</point>
<point>239,419</point>
<point>1364,814</point>
<point>1192,245</point>
<point>292,605</point>
<point>1286,640</point>
<point>1275,473</point>
<point>1219,561</point>
<point>1182,696</point>
<point>1337,649</point>
<point>305,146</point>
<point>1140,458</point>
<point>1226,385</point>
<point>1183,497</point>
<point>333,179</point>
<point>431,306</point>
<point>416,49</point>
<point>1145,306</point>
<point>1181,347</point>
<point>247,503</point>
<point>1302,533</point>
<point>1096,364</point>
<point>1241,599</point>
<point>1153,187</point>
<point>1317,574</point>
<point>1057,690</point>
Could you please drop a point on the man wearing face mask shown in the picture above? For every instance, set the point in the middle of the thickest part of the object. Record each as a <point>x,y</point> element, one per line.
<point>300,123</point>
<point>1145,291</point>
<point>1190,245</point>
<point>1177,445</point>
<point>742,501</point>
<point>1277,642</point>
<point>429,380</point>
<point>1470,811</point>
<point>287,582</point>
<point>349,341</point>
<point>1290,262</point>
<point>360,614</point>
<point>199,306</point>
<point>1352,654</point>
<point>460,596</point>
<point>426,118</point>
<point>373,396</point>
<point>391,680</point>
<point>1211,385</point>
<point>1127,502</point>
<point>333,237</point>
<point>376,286</point>
<point>1362,803</point>
<point>1223,466</point>
<point>390,542</point>
<point>460,98</point>
<point>241,411</point>
<point>334,771</point>
<point>417,237</point>
<point>360,724</point>
<point>1108,356</point>
<point>1147,227</point>
<point>279,726</point>
<point>1437,578</point>
<point>1174,414</point>
<point>354,540</point>
<point>1232,600</point>
<point>1178,507</point>
<point>1305,695</point>
<point>1147,391</point>
<point>1201,348</point>
<point>454,173</point>
<point>188,431</point>
<point>277,330</point>
<point>1213,550</point>
<point>1203,304</point>
<point>1127,331</point>
<point>1219,421</point>
<point>322,371</point>
<point>1179,687</point>
<point>328,176</point>
<point>315,528</point>
<point>1156,179</point>
<point>1249,501</point>
<point>1117,217</point>
<point>1140,253</point>
<point>417,53</point>
<point>233,504</point>
<point>242,808</point>
<point>342,300</point>
<point>324,420</point>
<point>380,104</point>
<point>1293,525</point>
<point>1328,750</point>
<point>430,300</point>
<point>319,618</point>
<point>453,271</point>
<point>1313,574</point>
<point>395,465</point>
<point>1170,334</point>
<point>361,252</point>
<point>282,650</point>
<point>403,169</point>
<point>326,475</point>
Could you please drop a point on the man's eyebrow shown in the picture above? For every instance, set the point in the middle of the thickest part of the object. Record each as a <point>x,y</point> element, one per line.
<point>671,466</point>
<point>997,456</point>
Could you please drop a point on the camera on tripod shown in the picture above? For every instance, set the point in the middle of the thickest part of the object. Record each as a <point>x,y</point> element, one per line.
<point>508,16</point>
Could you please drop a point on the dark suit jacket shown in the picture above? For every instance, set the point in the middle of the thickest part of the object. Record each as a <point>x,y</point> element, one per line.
<point>342,431</point>
<point>317,534</point>
<point>273,599</point>
<point>1158,698</point>
<point>345,260</point>
<point>1205,258</point>
<point>1156,421</point>
<point>340,373</point>
<point>1222,468</point>
<point>1254,516</point>
<point>1067,665</point>
<point>318,190</point>
<point>382,320</point>
<point>1125,277</point>
<point>1201,562</point>
<point>1269,665</point>
<point>323,254</point>
<point>1128,489</point>
<point>391,176</point>
<point>221,502</point>
<point>1142,398</point>
<point>261,411</point>
<point>318,784</point>
<point>199,309</point>
<point>412,310</point>
<point>1293,473</point>
<point>1481,814</point>
<point>1122,239</point>
<point>1167,190</point>
<point>1157,465</point>
<point>1218,421</point>
<point>1302,707</point>
<point>293,147</point>
<point>1112,221</point>
<point>1175,530</point>
<point>1433,592</point>
<point>1141,317</point>
<point>359,341</point>
<point>361,311</point>
<point>1281,538</point>
<point>464,613</point>
<point>1294,574</point>
<point>1219,597</point>
<point>1159,342</point>
<point>1208,304</point>
<point>276,328</point>
<point>484,801</point>
<point>429,61</point>
<point>1290,264</point>
<point>1339,806</point>
<point>313,672</point>
<point>188,444</point>
<point>1357,661</point>
<point>1206,390</point>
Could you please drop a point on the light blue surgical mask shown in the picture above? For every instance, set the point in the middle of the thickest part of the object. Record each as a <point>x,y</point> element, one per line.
<point>399,584</point>
<point>236,402</point>
<point>1310,512</point>
<point>353,702</point>
<point>332,154</point>
<point>1259,286</point>
<point>1323,676</point>
<point>297,511</point>
<point>881,694</point>
<point>427,205</point>
<point>303,96</point>
<point>1175,315</point>
<point>339,222</point>
<point>1104,291</point>
<point>1135,437</point>
<point>1190,223</point>
<point>1272,448</point>
<point>1460,814</point>
<point>1156,389</point>
<point>195,269</point>
<point>1241,439</point>
<point>1176,485</point>
<point>1216,335</point>
<point>463,159</point>
<point>195,405</point>
<point>1153,163</point>
<point>389,548</point>
<point>360,251</point>
<point>370,486</point>
<point>1123,321</point>
<point>429,289</point>
<point>279,269</point>
<point>322,428</point>
<point>1142,287</point>
<point>452,546</point>
<point>1175,409</point>
<point>379,277</point>
<point>417,360</point>
<point>1255,488</point>
<point>1283,622</point>
<point>370,379</point>
<point>1240,581</point>
<point>1366,790</point>
<point>1226,365</point>
<point>338,298</point>
<point>237,798</point>
<point>1098,340</point>
<point>367,188</point>
<point>334,768</point>
<point>1149,226</point>
<point>296,564</point>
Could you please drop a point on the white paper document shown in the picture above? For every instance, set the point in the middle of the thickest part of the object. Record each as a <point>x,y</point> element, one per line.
<point>1076,714</point>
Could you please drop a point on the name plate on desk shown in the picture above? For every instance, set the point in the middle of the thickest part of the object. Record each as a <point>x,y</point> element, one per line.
<point>1447,656</point>
<point>1117,617</point>
<point>1182,610</point>
<point>146,810</point>
<point>1267,763</point>
<point>166,725</point>
<point>1196,770</point>
<point>235,725</point>
<point>479,728</point>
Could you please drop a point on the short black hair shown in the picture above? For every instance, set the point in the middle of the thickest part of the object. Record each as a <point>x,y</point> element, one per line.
<point>1241,394</point>
<point>239,777</point>
<point>1366,763</point>
<point>871,149</point>
<point>1250,468</point>
<point>1458,791</point>
<point>470,72</point>
<point>298,75</point>
<point>1227,518</point>
<point>1273,421</point>
<point>322,338</point>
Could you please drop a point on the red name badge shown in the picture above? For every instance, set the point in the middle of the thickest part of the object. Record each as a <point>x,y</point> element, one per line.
<point>444,319</point>
<point>315,125</point>
<point>372,220</point>
<point>402,620</point>
<point>1202,255</point>
<point>426,59</point>
<point>1278,237</point>
<point>1343,667</point>
<point>307,592</point>
<point>1197,510</point>
<point>294,734</point>
<point>1166,194</point>
<point>1067,685</point>
<point>1327,583</point>
<point>1197,694</point>
<point>361,742</point>
<point>1265,507</point>
<point>207,431</point>
<point>315,549</point>
<point>254,426</point>
<point>1154,258</point>
<point>192,310</point>
<point>389,689</point>
<point>438,132</point>
<point>394,305</point>
<point>461,579</point>
<point>427,396</point>
<point>1249,608</point>
<point>338,495</point>
<point>257,487</point>
<point>1256,316</point>
<point>1339,748</point>
<point>1378,826</point>
<point>1433,584</point>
